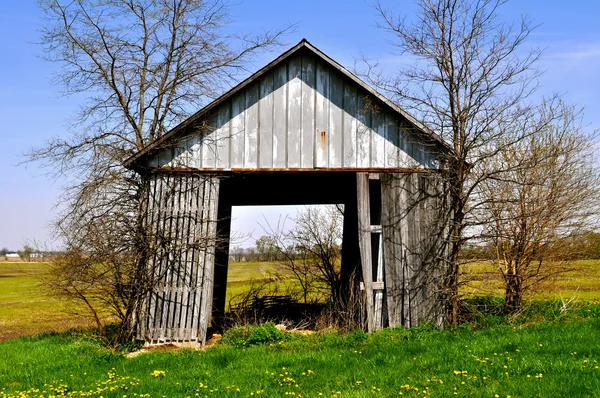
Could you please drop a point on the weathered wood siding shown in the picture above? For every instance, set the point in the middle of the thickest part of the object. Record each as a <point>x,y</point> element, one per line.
<point>301,114</point>
<point>181,226</point>
<point>414,224</point>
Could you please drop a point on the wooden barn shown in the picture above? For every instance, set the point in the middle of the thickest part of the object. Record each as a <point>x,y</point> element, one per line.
<point>301,130</point>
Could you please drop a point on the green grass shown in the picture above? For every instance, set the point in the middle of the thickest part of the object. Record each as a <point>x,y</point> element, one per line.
<point>549,351</point>
<point>555,359</point>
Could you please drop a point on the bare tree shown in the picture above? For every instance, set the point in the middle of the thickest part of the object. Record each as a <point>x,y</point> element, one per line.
<point>469,76</point>
<point>311,251</point>
<point>143,66</point>
<point>547,192</point>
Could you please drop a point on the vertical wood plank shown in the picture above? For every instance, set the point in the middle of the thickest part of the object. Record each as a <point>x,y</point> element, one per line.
<point>209,143</point>
<point>392,246</point>
<point>323,132</point>
<point>363,134</point>
<point>404,159</point>
<point>195,152</point>
<point>265,122</point>
<point>199,243</point>
<point>350,125</point>
<point>223,136</point>
<point>379,275</point>
<point>378,140</point>
<point>251,127</point>
<point>238,104</point>
<point>336,132</point>
<point>280,109</point>
<point>364,243</point>
<point>294,112</point>
<point>209,263</point>
<point>307,144</point>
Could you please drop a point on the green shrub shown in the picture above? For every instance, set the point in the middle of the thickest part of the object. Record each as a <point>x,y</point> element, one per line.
<point>265,334</point>
<point>251,335</point>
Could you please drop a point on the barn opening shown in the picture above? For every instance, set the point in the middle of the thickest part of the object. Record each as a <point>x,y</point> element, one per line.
<point>284,263</point>
<point>285,189</point>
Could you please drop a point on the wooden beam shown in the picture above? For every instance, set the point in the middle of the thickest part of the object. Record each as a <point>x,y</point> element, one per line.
<point>364,243</point>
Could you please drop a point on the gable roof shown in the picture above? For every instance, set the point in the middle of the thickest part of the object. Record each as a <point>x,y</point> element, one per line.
<point>303,47</point>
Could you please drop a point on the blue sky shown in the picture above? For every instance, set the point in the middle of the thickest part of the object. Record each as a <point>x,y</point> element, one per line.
<point>32,109</point>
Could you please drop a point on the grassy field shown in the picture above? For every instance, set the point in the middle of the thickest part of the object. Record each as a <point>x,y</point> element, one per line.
<point>26,307</point>
<point>580,282</point>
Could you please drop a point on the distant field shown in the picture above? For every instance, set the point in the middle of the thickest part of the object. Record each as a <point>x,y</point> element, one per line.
<point>26,307</point>
<point>582,282</point>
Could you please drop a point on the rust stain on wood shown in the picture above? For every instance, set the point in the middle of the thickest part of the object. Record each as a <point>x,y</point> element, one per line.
<point>323,140</point>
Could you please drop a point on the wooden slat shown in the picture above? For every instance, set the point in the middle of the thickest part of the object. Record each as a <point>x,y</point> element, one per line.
<point>363,132</point>
<point>280,109</point>
<point>392,243</point>
<point>378,140</point>
<point>307,139</point>
<point>238,105</point>
<point>265,120</point>
<point>209,144</point>
<point>336,131</point>
<point>294,112</point>
<point>251,127</point>
<point>364,242</point>
<point>323,131</point>
<point>223,136</point>
<point>209,262</point>
<point>350,126</point>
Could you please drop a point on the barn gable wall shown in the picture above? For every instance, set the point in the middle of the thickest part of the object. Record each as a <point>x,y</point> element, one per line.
<point>301,114</point>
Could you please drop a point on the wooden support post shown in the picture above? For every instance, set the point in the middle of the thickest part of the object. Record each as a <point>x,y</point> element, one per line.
<point>221,262</point>
<point>364,243</point>
<point>211,202</point>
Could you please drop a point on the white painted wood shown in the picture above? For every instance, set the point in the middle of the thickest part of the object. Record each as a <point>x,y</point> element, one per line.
<point>378,140</point>
<point>280,107</point>
<point>294,112</point>
<point>307,139</point>
<point>251,128</point>
<point>350,124</point>
<point>238,134</point>
<point>301,114</point>
<point>223,137</point>
<point>363,132</point>
<point>391,142</point>
<point>209,144</point>
<point>265,120</point>
<point>322,132</point>
<point>335,132</point>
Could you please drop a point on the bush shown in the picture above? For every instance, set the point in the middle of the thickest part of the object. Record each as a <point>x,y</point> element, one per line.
<point>251,335</point>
